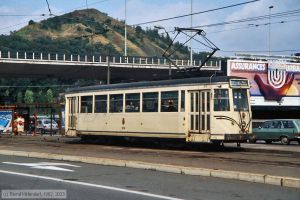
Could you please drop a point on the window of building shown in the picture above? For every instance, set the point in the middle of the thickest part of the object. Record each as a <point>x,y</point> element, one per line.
<point>101,104</point>
<point>132,102</point>
<point>221,100</point>
<point>150,102</point>
<point>116,103</point>
<point>86,104</point>
<point>169,101</point>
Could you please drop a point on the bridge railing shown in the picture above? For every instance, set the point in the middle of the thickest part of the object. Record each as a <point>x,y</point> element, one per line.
<point>98,59</point>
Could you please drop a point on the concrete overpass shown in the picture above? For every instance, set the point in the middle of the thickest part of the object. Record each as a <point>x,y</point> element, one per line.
<point>41,65</point>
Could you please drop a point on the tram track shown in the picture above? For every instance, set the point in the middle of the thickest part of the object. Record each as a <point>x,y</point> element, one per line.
<point>196,153</point>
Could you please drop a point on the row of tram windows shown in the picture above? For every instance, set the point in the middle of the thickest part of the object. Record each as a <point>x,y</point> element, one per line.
<point>113,103</point>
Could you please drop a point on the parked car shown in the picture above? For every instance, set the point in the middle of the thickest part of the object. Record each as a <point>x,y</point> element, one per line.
<point>44,126</point>
<point>284,130</point>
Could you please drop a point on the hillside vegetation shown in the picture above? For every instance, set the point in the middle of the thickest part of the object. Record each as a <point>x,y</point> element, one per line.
<point>88,32</point>
<point>84,32</point>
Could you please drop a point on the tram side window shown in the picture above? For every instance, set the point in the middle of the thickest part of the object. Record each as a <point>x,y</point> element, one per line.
<point>150,102</point>
<point>132,102</point>
<point>101,104</point>
<point>182,101</point>
<point>240,100</point>
<point>86,104</point>
<point>116,103</point>
<point>221,100</point>
<point>169,101</point>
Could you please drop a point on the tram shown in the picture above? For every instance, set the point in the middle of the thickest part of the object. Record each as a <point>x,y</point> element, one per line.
<point>203,109</point>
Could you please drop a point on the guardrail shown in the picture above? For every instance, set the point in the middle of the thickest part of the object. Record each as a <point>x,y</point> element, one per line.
<point>152,62</point>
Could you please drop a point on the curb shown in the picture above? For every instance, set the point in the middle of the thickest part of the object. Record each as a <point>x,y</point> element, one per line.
<point>235,175</point>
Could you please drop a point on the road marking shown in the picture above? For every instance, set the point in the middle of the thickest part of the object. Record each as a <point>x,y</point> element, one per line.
<point>91,185</point>
<point>45,165</point>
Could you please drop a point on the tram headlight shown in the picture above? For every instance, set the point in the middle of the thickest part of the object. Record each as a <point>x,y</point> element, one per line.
<point>243,115</point>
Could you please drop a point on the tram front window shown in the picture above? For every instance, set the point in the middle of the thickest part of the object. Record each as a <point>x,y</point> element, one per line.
<point>240,100</point>
<point>221,100</point>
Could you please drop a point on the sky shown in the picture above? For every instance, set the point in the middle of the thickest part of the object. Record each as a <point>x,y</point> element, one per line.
<point>249,37</point>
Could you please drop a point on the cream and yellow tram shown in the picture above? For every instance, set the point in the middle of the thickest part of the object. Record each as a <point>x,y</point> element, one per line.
<point>200,109</point>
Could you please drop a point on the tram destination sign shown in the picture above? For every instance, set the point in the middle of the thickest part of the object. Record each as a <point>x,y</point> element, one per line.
<point>239,83</point>
<point>273,83</point>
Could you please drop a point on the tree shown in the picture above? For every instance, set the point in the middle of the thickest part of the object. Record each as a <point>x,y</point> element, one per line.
<point>31,22</point>
<point>49,96</point>
<point>28,98</point>
<point>19,97</point>
<point>6,93</point>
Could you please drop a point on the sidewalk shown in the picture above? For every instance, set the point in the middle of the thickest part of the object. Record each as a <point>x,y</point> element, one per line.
<point>228,163</point>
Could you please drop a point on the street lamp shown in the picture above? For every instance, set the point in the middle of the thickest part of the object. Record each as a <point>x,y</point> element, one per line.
<point>270,7</point>
<point>191,51</point>
<point>125,48</point>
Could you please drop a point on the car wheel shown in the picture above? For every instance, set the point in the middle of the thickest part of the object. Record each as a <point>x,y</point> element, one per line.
<point>284,140</point>
<point>268,141</point>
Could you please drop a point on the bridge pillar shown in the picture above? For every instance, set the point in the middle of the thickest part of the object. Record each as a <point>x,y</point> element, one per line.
<point>170,71</point>
<point>108,70</point>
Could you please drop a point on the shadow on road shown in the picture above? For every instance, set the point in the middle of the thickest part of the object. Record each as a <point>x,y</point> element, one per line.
<point>154,143</point>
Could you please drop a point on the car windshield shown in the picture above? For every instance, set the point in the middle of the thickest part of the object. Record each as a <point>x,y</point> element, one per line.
<point>298,123</point>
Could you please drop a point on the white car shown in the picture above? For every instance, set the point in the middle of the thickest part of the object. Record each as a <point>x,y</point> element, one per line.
<point>44,126</point>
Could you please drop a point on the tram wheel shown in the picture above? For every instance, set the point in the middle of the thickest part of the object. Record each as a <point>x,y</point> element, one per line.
<point>218,143</point>
<point>268,141</point>
<point>252,141</point>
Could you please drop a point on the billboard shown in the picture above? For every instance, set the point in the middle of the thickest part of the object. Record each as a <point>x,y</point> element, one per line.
<point>6,120</point>
<point>273,83</point>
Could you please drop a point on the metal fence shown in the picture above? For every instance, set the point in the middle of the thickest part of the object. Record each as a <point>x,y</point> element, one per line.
<point>98,59</point>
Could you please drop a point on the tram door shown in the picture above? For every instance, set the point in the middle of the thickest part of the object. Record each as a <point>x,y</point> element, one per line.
<point>72,113</point>
<point>200,111</point>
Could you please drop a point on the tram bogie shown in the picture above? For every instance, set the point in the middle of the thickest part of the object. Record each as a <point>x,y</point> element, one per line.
<point>198,110</point>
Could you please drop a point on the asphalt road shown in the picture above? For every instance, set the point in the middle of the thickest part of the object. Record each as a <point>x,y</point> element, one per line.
<point>272,159</point>
<point>87,181</point>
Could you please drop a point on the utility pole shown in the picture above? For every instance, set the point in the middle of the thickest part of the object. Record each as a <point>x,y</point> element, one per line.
<point>191,51</point>
<point>270,7</point>
<point>125,49</point>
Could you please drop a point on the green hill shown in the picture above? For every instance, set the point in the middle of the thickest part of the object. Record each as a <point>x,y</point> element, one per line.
<point>82,32</point>
<point>87,31</point>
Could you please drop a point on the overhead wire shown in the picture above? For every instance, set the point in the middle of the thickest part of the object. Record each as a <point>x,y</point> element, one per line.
<point>262,17</point>
<point>196,13</point>
<point>21,15</point>
<point>255,26</point>
<point>25,22</point>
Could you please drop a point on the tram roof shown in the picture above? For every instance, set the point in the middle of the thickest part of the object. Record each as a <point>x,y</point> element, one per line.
<point>144,84</point>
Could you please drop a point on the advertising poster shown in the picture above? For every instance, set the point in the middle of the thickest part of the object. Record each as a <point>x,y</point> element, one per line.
<point>273,83</point>
<point>6,120</point>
